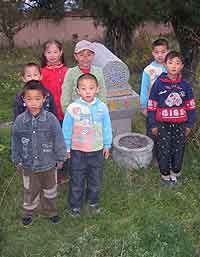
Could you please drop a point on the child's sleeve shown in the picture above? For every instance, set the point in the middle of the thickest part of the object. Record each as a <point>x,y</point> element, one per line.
<point>190,107</point>
<point>102,87</point>
<point>144,90</point>
<point>67,129</point>
<point>18,107</point>
<point>67,88</point>
<point>15,144</point>
<point>59,143</point>
<point>107,129</point>
<point>152,106</point>
<point>52,105</point>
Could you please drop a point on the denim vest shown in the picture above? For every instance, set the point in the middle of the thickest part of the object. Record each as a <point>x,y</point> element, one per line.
<point>37,142</point>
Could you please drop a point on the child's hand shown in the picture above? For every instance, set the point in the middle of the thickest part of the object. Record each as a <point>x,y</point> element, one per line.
<point>19,168</point>
<point>144,111</point>
<point>106,153</point>
<point>60,165</point>
<point>154,131</point>
<point>68,155</point>
<point>187,131</point>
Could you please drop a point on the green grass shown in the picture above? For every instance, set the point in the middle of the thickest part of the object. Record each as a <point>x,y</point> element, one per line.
<point>141,217</point>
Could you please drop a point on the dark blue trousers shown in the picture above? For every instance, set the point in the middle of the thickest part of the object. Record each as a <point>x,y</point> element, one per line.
<point>170,147</point>
<point>86,172</point>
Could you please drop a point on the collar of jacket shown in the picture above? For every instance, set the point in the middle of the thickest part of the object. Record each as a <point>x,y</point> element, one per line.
<point>165,78</point>
<point>57,66</point>
<point>42,116</point>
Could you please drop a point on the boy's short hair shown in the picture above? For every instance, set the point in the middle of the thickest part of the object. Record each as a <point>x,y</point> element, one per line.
<point>31,64</point>
<point>174,54</point>
<point>84,45</point>
<point>160,42</point>
<point>87,76</point>
<point>34,85</point>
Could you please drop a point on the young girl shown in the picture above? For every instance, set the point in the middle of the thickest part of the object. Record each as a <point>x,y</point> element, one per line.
<point>53,72</point>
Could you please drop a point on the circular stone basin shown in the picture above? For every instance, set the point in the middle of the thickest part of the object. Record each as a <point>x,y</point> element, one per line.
<point>133,150</point>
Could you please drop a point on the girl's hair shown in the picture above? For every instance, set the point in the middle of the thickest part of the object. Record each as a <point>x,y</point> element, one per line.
<point>30,64</point>
<point>45,46</point>
<point>87,76</point>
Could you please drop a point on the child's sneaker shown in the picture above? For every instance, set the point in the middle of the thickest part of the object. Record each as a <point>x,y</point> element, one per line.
<point>55,219</point>
<point>173,179</point>
<point>27,220</point>
<point>75,213</point>
<point>95,209</point>
<point>165,180</point>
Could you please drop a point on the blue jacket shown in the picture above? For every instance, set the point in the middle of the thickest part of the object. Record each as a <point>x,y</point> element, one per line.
<point>150,74</point>
<point>37,142</point>
<point>171,101</point>
<point>87,126</point>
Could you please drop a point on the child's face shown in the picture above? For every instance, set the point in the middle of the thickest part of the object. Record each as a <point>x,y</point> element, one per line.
<point>53,54</point>
<point>34,100</point>
<point>84,58</point>
<point>87,89</point>
<point>159,53</point>
<point>31,73</point>
<point>174,67</point>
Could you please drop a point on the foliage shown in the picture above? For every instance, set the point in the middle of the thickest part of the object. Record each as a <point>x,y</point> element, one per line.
<point>120,18</point>
<point>11,19</point>
<point>185,19</point>
<point>46,8</point>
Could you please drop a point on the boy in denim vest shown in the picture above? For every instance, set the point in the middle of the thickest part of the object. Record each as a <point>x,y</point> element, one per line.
<point>37,148</point>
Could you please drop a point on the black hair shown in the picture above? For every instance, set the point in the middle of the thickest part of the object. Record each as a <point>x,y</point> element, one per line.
<point>30,64</point>
<point>160,42</point>
<point>87,76</point>
<point>45,45</point>
<point>174,54</point>
<point>34,85</point>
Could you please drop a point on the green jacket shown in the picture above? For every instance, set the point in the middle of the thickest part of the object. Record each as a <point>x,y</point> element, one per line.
<point>69,86</point>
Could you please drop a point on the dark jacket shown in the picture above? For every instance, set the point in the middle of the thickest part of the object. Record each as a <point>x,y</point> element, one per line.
<point>171,101</point>
<point>37,142</point>
<point>20,106</point>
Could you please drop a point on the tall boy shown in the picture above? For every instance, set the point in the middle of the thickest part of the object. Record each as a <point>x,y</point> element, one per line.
<point>88,137</point>
<point>171,115</point>
<point>151,72</point>
<point>37,147</point>
<point>83,53</point>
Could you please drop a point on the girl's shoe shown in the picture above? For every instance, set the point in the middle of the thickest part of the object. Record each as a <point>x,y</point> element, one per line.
<point>165,180</point>
<point>173,179</point>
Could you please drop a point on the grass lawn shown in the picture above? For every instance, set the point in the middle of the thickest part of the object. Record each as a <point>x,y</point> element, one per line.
<point>141,217</point>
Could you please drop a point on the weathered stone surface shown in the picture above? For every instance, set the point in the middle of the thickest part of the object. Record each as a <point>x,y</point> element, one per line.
<point>131,157</point>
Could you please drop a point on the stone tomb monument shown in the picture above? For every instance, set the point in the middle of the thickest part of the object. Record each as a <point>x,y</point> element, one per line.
<point>121,99</point>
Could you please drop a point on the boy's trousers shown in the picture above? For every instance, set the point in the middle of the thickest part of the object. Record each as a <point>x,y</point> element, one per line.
<point>40,189</point>
<point>170,147</point>
<point>86,171</point>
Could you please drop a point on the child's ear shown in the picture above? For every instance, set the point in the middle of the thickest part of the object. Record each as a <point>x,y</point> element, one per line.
<point>44,99</point>
<point>98,89</point>
<point>23,79</point>
<point>41,77</point>
<point>77,89</point>
<point>75,57</point>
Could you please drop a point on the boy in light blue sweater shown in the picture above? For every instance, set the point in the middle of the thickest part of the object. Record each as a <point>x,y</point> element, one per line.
<point>88,137</point>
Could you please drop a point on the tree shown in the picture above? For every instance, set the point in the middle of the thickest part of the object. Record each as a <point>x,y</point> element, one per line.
<point>11,19</point>
<point>120,18</point>
<point>185,19</point>
<point>46,8</point>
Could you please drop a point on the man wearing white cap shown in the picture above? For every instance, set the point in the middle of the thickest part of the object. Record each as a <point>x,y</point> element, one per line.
<point>83,53</point>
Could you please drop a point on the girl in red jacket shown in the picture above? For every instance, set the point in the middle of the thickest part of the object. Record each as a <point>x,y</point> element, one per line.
<point>53,73</point>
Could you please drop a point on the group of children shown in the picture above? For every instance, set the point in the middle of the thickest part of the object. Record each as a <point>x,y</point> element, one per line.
<point>61,114</point>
